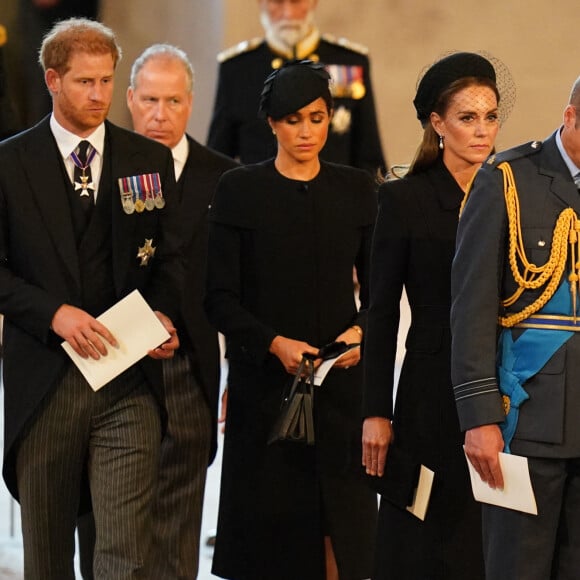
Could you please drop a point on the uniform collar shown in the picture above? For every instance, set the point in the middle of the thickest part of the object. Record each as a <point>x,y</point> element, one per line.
<point>303,49</point>
<point>567,160</point>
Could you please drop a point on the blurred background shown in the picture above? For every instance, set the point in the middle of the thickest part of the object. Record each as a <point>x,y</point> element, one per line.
<point>535,39</point>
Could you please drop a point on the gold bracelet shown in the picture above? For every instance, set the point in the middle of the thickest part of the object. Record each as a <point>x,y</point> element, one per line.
<point>358,329</point>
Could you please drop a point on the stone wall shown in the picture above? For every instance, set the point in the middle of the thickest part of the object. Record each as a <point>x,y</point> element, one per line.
<point>537,40</point>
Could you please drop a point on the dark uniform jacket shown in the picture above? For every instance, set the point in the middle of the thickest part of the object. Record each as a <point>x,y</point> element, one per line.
<point>237,131</point>
<point>481,276</point>
<point>39,260</point>
<point>8,125</point>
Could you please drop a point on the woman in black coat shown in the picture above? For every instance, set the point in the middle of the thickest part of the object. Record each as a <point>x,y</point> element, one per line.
<point>413,247</point>
<point>284,237</point>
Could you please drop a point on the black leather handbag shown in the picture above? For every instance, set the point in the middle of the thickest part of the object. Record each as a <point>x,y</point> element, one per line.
<point>295,422</point>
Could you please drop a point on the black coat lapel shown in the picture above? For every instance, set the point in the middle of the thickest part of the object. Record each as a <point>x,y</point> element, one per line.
<point>194,208</point>
<point>45,175</point>
<point>121,156</point>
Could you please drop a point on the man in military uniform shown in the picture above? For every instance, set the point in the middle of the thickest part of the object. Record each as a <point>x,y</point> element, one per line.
<point>8,124</point>
<point>291,33</point>
<point>517,385</point>
<point>35,19</point>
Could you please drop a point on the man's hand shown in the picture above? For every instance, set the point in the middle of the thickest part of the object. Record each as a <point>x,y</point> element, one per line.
<point>376,438</point>
<point>168,348</point>
<point>85,334</point>
<point>482,445</point>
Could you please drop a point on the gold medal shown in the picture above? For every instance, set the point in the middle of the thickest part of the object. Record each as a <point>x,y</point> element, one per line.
<point>139,206</point>
<point>357,90</point>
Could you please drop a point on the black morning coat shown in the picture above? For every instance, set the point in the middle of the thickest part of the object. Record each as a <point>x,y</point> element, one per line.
<point>39,268</point>
<point>195,190</point>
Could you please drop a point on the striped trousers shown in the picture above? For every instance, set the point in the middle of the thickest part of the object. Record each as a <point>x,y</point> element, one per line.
<point>185,452</point>
<point>178,504</point>
<point>113,436</point>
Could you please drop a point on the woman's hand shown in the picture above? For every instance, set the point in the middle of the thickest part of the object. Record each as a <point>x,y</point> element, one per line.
<point>376,438</point>
<point>352,357</point>
<point>290,352</point>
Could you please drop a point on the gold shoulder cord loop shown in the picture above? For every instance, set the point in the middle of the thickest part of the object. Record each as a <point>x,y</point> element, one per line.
<point>467,192</point>
<point>532,277</point>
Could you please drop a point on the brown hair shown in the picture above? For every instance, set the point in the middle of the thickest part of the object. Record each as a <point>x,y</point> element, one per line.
<point>428,151</point>
<point>76,35</point>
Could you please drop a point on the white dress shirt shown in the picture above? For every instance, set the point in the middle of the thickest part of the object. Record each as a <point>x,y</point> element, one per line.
<point>67,143</point>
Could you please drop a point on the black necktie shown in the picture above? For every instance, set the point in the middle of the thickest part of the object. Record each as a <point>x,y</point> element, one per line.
<point>83,181</point>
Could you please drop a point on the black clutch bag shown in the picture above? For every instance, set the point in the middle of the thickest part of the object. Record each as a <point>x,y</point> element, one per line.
<point>401,477</point>
<point>295,422</point>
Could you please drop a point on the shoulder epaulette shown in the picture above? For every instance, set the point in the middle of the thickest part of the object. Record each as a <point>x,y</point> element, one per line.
<point>515,153</point>
<point>240,48</point>
<point>345,43</point>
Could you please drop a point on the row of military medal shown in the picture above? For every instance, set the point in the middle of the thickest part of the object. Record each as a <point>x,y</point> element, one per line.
<point>141,192</point>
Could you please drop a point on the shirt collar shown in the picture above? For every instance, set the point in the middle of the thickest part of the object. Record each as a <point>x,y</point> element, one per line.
<point>181,150</point>
<point>67,142</point>
<point>180,153</point>
<point>574,170</point>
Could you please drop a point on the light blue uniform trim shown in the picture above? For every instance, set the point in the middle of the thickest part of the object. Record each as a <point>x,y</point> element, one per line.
<point>520,360</point>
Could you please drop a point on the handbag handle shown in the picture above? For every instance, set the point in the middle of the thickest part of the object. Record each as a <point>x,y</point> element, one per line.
<point>307,359</point>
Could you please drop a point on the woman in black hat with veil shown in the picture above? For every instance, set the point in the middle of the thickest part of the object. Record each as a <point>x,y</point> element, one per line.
<point>458,104</point>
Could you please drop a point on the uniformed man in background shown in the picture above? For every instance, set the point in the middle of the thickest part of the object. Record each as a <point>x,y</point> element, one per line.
<point>291,33</point>
<point>8,125</point>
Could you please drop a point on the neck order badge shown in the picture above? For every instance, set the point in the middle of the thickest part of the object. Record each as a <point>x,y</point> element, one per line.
<point>82,173</point>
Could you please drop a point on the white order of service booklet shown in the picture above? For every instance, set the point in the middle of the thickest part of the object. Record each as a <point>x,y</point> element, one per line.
<point>137,330</point>
<point>517,493</point>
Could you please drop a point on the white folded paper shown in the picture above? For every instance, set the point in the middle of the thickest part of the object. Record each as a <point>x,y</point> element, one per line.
<point>422,493</point>
<point>326,365</point>
<point>137,330</point>
<point>517,493</point>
